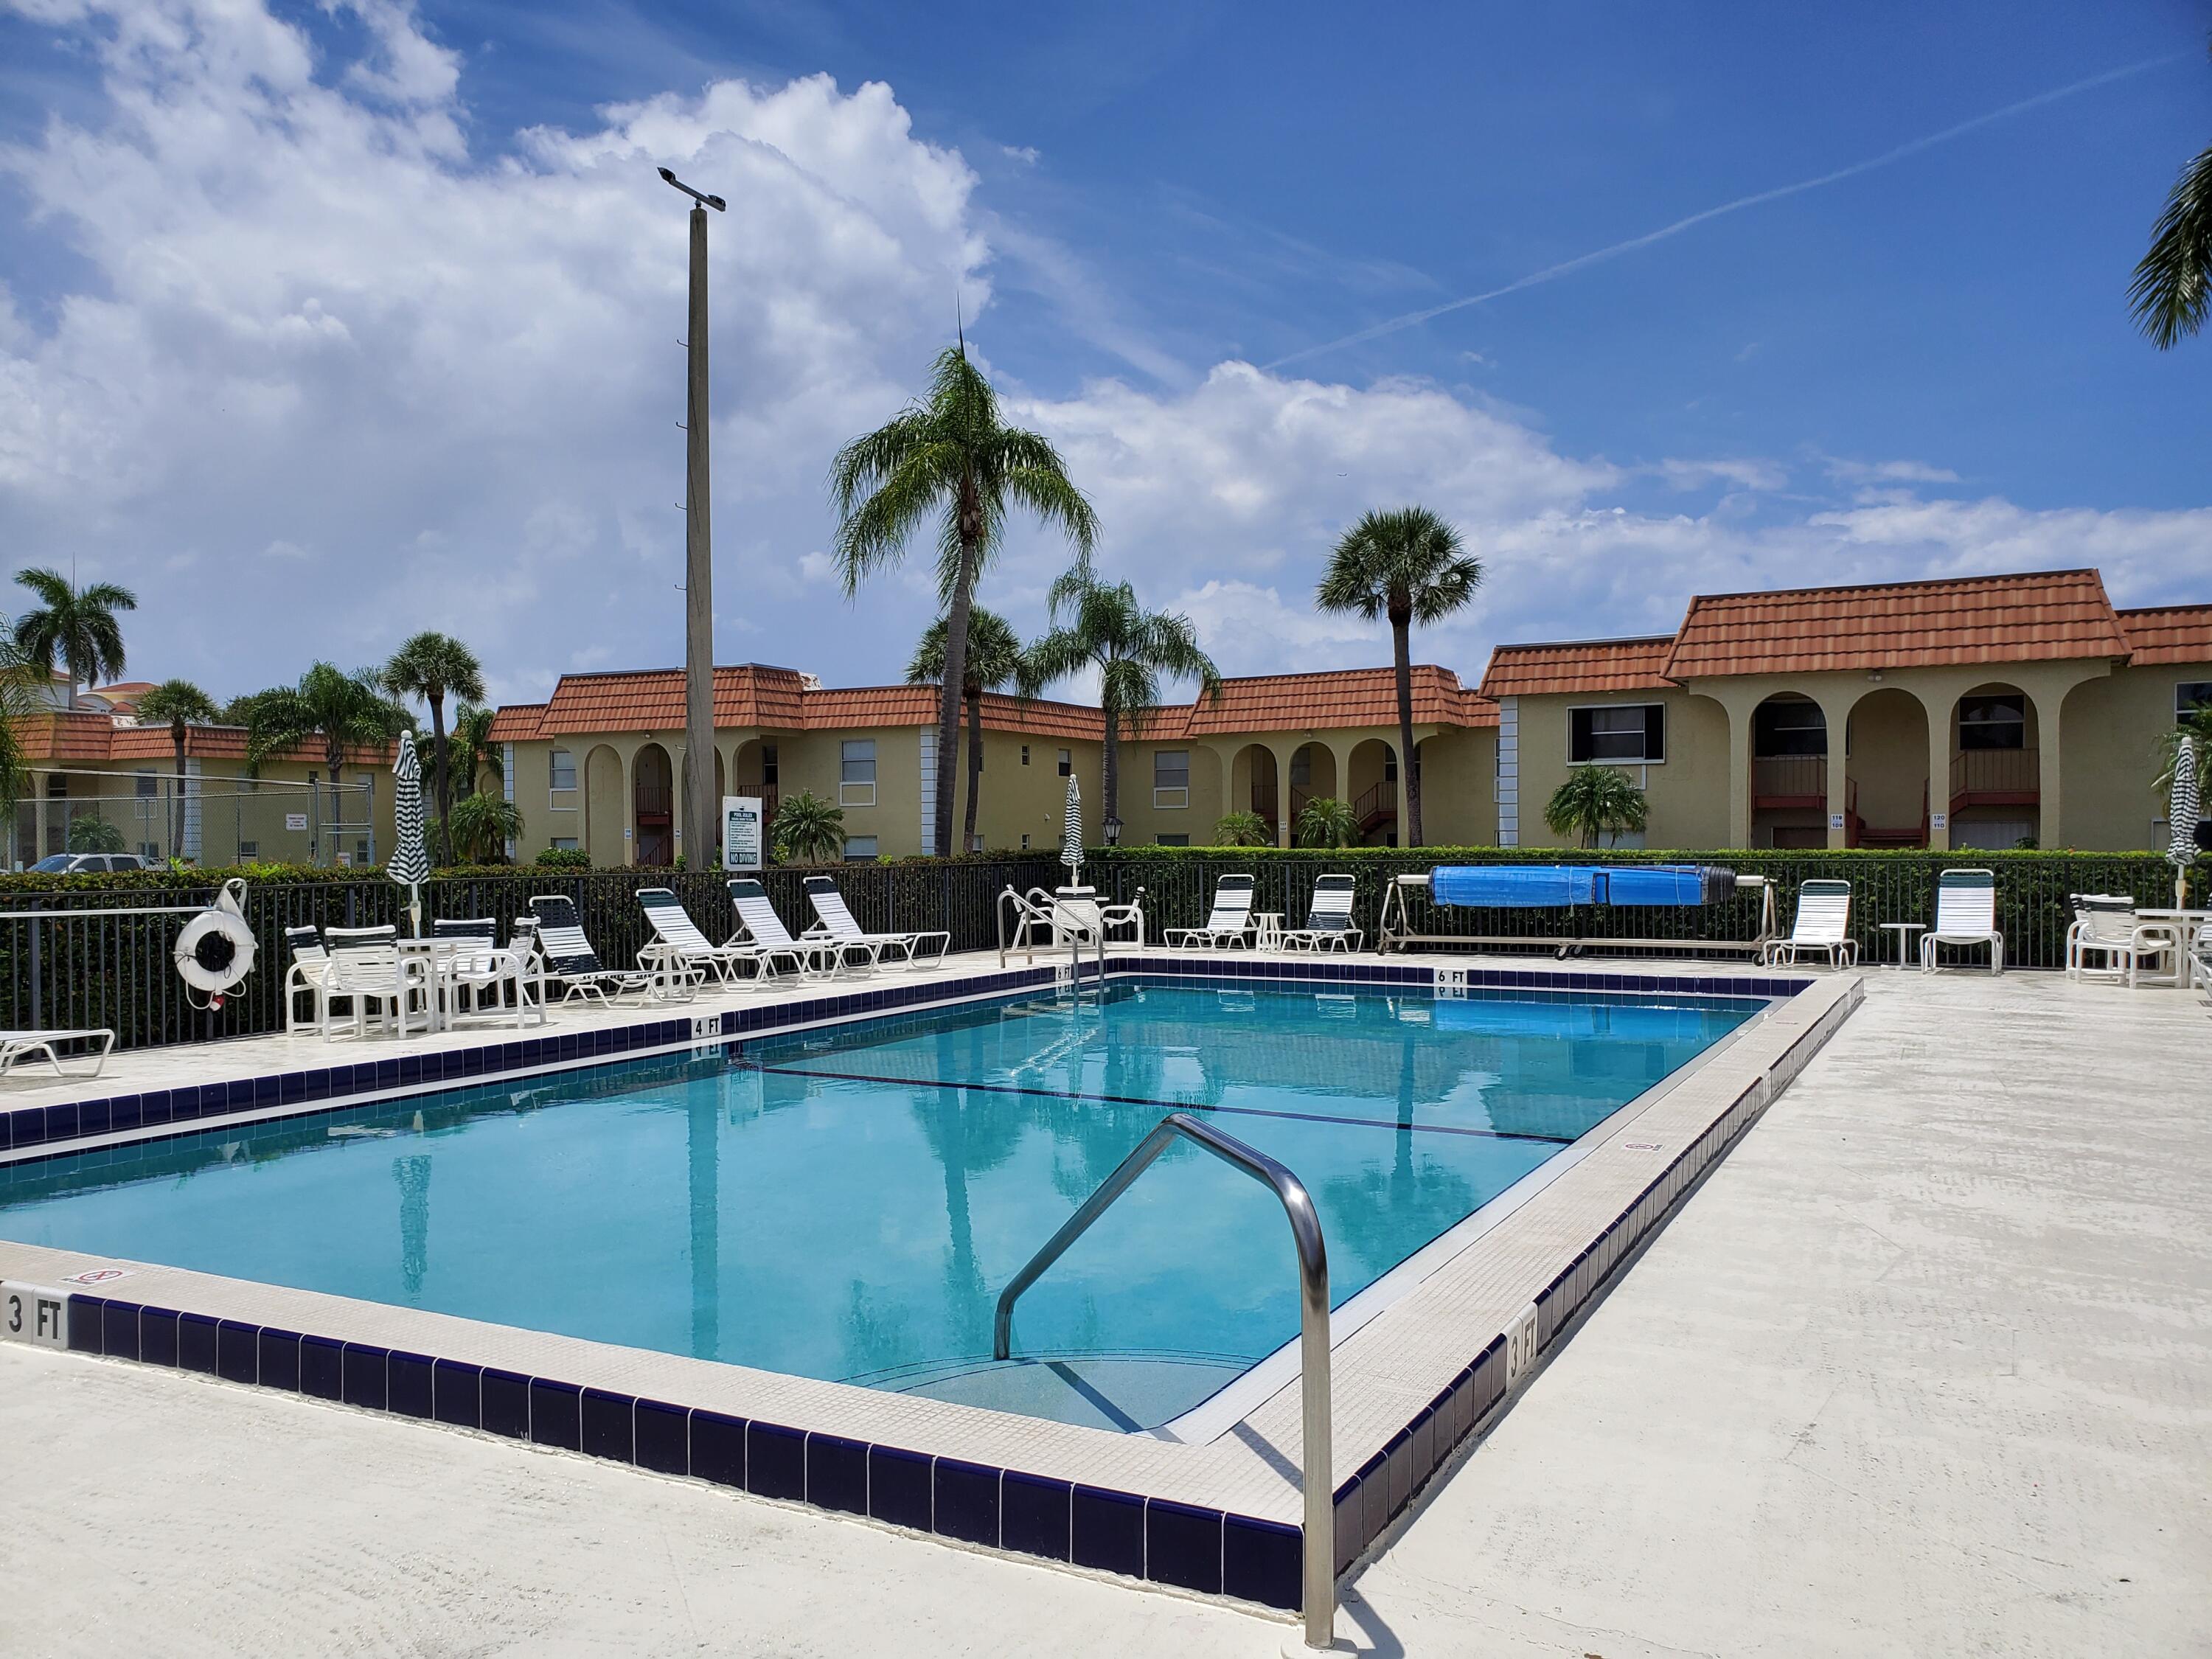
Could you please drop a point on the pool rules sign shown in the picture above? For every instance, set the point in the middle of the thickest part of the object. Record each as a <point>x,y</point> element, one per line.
<point>741,832</point>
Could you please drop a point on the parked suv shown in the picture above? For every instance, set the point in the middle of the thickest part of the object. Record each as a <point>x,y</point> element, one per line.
<point>89,864</point>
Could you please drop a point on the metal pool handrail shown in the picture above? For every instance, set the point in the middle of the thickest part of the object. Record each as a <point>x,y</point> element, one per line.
<point>1320,1574</point>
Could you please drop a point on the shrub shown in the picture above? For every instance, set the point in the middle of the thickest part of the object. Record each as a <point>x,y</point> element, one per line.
<point>563,858</point>
<point>1241,830</point>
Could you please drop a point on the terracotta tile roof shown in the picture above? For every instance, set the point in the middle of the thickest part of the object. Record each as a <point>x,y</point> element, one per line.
<point>517,722</point>
<point>2168,633</point>
<point>88,735</point>
<point>2041,617</point>
<point>1578,665</point>
<point>770,699</point>
<point>1345,698</point>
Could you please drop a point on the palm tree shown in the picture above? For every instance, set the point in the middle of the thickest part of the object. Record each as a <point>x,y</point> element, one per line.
<point>808,829</point>
<point>345,711</point>
<point>1407,565</point>
<point>2193,730</point>
<point>948,457</point>
<point>18,678</point>
<point>481,827</point>
<point>473,752</point>
<point>1241,830</point>
<point>1594,801</point>
<point>431,665</point>
<point>994,660</point>
<point>74,630</point>
<point>1131,647</point>
<point>182,705</point>
<point>1327,822</point>
<point>2172,291</point>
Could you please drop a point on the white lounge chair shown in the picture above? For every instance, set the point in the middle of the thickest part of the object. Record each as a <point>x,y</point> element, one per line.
<point>1229,923</point>
<point>678,939</point>
<point>1823,927</point>
<point>1967,915</point>
<point>1329,919</point>
<point>22,1045</point>
<point>567,956</point>
<point>2106,941</point>
<point>813,954</point>
<point>835,920</point>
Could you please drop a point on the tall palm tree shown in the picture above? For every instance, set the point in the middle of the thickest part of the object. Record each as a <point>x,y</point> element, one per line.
<point>950,458</point>
<point>344,711</point>
<point>181,705</point>
<point>2172,292</point>
<point>994,662</point>
<point>1407,565</point>
<point>432,666</point>
<point>72,628</point>
<point>1131,646</point>
<point>19,683</point>
<point>474,753</point>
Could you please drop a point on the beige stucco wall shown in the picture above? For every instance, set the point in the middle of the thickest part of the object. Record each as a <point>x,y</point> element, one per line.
<point>234,809</point>
<point>1686,793</point>
<point>2110,729</point>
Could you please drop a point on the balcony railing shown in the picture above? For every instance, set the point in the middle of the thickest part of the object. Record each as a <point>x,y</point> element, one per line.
<point>650,800</point>
<point>1996,777</point>
<point>1789,781</point>
<point>1376,806</point>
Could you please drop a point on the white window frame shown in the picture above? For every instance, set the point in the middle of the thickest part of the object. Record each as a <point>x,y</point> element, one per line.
<point>1065,761</point>
<point>855,793</point>
<point>869,857</point>
<point>2182,710</point>
<point>1611,760</point>
<point>1169,798</point>
<point>553,787</point>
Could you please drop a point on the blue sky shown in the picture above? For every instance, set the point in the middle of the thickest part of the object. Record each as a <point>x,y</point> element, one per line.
<point>351,347</point>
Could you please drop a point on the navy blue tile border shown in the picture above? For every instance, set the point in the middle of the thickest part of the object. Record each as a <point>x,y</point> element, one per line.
<point>1149,1537</point>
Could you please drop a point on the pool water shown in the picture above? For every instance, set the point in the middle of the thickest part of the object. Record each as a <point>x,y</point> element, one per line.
<point>845,1204</point>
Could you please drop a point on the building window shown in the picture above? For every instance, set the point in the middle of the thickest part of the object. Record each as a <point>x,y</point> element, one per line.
<point>1789,728</point>
<point>147,784</point>
<point>856,780</point>
<point>1170,779</point>
<point>2191,697</point>
<point>1025,754</point>
<point>1302,768</point>
<point>563,764</point>
<point>1025,843</point>
<point>249,849</point>
<point>768,765</point>
<point>1174,840</point>
<point>1630,731</point>
<point>1066,761</point>
<point>1389,764</point>
<point>859,849</point>
<point>1996,720</point>
<point>564,844</point>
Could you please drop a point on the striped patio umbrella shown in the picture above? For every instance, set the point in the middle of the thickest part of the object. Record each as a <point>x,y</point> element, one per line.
<point>1070,834</point>
<point>2181,815</point>
<point>411,863</point>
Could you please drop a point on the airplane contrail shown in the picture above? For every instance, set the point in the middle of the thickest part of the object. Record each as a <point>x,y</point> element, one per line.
<point>1551,273</point>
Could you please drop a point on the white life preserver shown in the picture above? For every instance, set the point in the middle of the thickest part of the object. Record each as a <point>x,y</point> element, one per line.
<point>214,951</point>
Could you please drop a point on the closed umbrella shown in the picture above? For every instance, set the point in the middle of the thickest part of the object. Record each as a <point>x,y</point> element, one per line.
<point>410,864</point>
<point>2181,818</point>
<point>1071,836</point>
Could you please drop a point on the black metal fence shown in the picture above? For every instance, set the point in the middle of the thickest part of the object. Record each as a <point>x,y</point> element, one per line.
<point>98,968</point>
<point>2033,890</point>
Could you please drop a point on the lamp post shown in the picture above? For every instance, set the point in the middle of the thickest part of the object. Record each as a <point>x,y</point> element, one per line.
<point>697,818</point>
<point>1113,827</point>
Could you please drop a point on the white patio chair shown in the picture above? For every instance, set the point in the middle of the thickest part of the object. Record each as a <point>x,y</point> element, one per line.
<point>1966,915</point>
<point>303,978</point>
<point>2104,941</point>
<point>1329,919</point>
<point>482,970</point>
<point>22,1045</point>
<point>367,969</point>
<point>1228,924</point>
<point>1822,928</point>
<point>835,919</point>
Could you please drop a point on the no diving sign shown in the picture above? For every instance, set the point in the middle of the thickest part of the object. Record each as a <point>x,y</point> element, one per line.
<point>35,1313</point>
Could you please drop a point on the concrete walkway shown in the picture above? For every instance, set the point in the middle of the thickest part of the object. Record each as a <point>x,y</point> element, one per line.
<point>1925,1367</point>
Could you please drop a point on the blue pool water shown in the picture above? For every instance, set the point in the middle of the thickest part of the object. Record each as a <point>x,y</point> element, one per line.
<point>846,1203</point>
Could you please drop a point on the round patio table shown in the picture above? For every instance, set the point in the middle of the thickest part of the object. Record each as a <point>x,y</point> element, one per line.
<point>1904,931</point>
<point>2188,926</point>
<point>1267,927</point>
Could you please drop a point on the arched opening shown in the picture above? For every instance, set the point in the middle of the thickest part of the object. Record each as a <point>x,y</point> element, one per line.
<point>604,818</point>
<point>1789,773</point>
<point>1254,788</point>
<point>1371,786</point>
<point>653,801</point>
<point>1313,777</point>
<point>1996,787</point>
<point>1886,771</point>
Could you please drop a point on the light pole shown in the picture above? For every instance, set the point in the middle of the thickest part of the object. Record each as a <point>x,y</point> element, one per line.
<point>699,804</point>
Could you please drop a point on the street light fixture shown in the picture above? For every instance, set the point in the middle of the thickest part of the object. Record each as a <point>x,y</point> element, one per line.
<point>697,818</point>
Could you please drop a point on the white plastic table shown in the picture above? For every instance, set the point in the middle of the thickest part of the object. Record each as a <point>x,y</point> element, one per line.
<point>1904,931</point>
<point>2187,927</point>
<point>1269,924</point>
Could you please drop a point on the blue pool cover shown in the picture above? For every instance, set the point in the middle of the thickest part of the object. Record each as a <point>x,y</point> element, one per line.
<point>1528,886</point>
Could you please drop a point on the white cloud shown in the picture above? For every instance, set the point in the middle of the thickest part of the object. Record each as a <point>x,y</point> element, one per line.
<point>1886,472</point>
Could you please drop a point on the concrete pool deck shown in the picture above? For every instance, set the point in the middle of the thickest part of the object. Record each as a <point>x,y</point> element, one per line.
<point>1921,1368</point>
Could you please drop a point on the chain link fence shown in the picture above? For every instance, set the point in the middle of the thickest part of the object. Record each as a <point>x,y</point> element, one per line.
<point>214,823</point>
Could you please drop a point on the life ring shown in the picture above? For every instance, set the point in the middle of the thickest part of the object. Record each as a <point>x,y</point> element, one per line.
<point>214,951</point>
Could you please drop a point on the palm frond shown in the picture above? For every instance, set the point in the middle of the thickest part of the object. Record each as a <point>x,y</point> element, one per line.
<point>2171,293</point>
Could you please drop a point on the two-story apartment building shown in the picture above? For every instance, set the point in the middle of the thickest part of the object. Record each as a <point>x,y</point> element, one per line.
<point>1975,712</point>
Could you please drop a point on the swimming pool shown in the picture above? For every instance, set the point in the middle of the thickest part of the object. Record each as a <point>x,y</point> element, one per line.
<point>844,1203</point>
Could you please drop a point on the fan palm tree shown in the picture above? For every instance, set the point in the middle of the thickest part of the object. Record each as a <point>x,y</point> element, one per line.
<point>19,679</point>
<point>481,827</point>
<point>343,711</point>
<point>808,829</point>
<point>1245,829</point>
<point>951,459</point>
<point>474,753</point>
<point>1327,822</point>
<point>1131,647</point>
<point>994,661</point>
<point>2172,291</point>
<point>432,666</point>
<point>1594,801</point>
<point>1407,565</point>
<point>74,629</point>
<point>181,705</point>
<point>2192,731</point>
